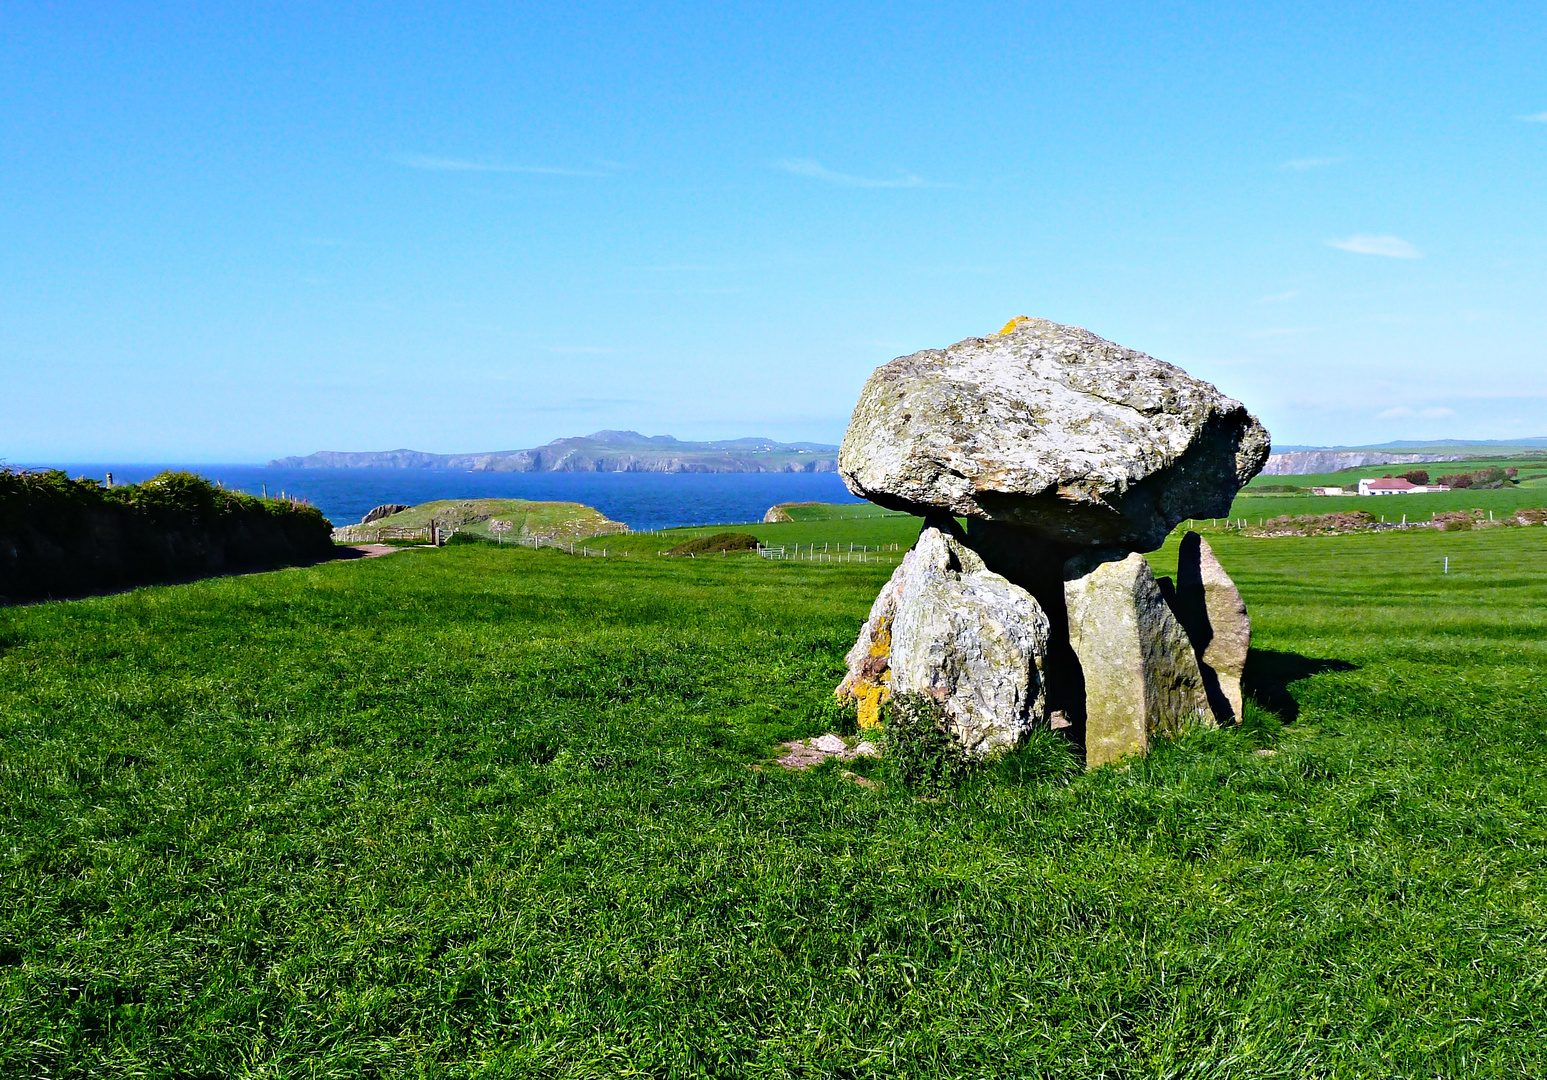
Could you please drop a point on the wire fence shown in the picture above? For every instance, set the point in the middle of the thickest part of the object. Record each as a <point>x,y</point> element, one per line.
<point>829,553</point>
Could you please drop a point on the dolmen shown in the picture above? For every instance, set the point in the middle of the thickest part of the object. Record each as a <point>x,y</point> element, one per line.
<point>1067,457</point>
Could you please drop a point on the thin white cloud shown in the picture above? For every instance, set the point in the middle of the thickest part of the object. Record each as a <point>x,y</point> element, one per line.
<point>428,163</point>
<point>1403,412</point>
<point>1279,298</point>
<point>1393,247</point>
<point>592,404</point>
<point>1535,118</point>
<point>817,171</point>
<point>1282,331</point>
<point>1306,164</point>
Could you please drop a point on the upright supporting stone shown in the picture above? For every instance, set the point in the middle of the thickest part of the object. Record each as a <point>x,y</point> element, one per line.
<point>1141,677</point>
<point>947,626</point>
<point>1211,610</point>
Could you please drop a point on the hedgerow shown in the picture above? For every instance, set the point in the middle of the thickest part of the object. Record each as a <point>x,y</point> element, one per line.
<point>61,537</point>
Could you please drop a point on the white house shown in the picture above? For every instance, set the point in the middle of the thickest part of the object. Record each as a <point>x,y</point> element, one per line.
<point>1395,485</point>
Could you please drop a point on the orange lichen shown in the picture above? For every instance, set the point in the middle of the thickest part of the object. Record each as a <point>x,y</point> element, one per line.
<point>1015,324</point>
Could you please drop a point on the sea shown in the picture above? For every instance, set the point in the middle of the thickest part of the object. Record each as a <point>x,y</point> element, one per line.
<point>642,501</point>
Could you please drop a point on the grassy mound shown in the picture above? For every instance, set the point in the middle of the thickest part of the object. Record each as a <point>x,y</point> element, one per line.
<point>549,522</point>
<point>716,543</point>
<point>820,511</point>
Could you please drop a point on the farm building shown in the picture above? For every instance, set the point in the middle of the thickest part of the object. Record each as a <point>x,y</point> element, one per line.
<point>1395,485</point>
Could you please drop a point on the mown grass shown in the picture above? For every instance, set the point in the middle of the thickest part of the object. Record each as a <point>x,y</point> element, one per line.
<point>492,812</point>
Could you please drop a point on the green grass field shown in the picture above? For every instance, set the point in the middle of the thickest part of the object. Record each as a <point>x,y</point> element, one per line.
<point>1503,502</point>
<point>493,812</point>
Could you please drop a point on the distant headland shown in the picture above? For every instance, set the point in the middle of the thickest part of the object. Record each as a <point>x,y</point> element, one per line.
<point>601,451</point>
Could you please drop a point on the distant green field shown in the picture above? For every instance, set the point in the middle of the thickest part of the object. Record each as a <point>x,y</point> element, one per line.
<point>494,812</point>
<point>817,511</point>
<point>834,530</point>
<point>1350,477</point>
<point>1502,502</point>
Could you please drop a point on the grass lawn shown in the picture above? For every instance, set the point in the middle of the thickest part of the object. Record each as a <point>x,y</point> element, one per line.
<point>490,812</point>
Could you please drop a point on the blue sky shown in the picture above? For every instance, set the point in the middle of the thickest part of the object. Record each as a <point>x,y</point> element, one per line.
<point>228,235</point>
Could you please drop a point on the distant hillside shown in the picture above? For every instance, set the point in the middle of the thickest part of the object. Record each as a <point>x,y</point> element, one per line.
<point>603,451</point>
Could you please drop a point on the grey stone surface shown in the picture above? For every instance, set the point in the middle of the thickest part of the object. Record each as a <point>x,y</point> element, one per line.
<point>804,753</point>
<point>1141,676</point>
<point>970,639</point>
<point>1054,431</point>
<point>382,511</point>
<point>1210,609</point>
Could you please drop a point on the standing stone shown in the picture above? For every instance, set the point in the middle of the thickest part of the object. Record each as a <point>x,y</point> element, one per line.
<point>1141,676</point>
<point>946,626</point>
<point>1053,431</point>
<point>1211,610</point>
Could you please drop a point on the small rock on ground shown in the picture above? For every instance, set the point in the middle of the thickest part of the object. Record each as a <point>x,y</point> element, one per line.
<point>804,753</point>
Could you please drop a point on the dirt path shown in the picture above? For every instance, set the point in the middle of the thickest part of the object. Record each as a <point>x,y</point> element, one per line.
<point>371,551</point>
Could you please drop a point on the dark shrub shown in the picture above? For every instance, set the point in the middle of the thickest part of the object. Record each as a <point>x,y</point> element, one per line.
<point>1416,476</point>
<point>65,537</point>
<point>926,756</point>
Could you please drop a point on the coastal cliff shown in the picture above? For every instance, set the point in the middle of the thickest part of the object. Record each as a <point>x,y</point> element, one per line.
<point>1308,462</point>
<point>603,451</point>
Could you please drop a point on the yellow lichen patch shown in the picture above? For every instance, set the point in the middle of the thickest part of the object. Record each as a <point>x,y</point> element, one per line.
<point>873,689</point>
<point>869,697</point>
<point>1015,323</point>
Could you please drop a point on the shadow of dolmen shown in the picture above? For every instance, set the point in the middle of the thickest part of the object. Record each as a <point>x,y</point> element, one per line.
<point>1270,673</point>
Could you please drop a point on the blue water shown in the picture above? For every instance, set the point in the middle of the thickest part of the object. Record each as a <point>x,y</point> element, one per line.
<point>640,500</point>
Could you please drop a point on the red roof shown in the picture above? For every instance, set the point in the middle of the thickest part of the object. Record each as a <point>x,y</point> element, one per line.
<point>1390,483</point>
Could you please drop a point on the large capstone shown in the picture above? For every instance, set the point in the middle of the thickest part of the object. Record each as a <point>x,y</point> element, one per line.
<point>1210,609</point>
<point>1053,431</point>
<point>946,626</point>
<point>1141,676</point>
